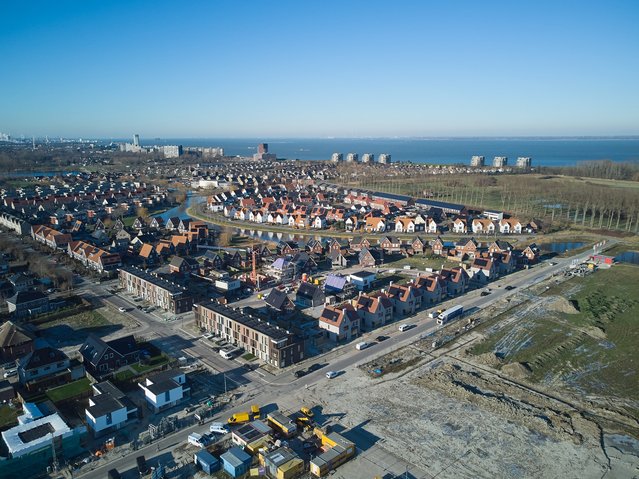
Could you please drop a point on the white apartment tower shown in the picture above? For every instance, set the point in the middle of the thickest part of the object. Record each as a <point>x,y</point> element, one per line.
<point>477,161</point>
<point>500,161</point>
<point>524,162</point>
<point>384,158</point>
<point>352,158</point>
<point>337,157</point>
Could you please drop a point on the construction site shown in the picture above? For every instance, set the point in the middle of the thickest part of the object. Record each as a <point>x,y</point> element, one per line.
<point>541,384</point>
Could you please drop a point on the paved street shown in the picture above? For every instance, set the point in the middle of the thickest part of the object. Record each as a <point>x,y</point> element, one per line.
<point>259,387</point>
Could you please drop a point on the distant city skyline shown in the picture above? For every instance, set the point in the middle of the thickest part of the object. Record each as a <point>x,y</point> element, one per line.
<point>319,69</point>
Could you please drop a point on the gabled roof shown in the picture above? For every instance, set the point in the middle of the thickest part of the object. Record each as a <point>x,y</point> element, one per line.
<point>22,297</point>
<point>13,335</point>
<point>278,300</point>
<point>309,291</point>
<point>42,357</point>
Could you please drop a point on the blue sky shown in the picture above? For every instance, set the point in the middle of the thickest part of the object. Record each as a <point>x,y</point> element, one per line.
<point>319,68</point>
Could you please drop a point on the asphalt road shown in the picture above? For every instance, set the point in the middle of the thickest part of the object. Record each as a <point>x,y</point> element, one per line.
<point>267,389</point>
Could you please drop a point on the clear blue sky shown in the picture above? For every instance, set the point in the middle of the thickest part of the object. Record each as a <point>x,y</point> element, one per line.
<point>319,68</point>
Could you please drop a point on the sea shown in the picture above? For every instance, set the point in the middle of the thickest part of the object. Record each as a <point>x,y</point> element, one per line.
<point>543,151</point>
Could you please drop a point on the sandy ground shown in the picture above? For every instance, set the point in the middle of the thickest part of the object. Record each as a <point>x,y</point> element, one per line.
<point>427,420</point>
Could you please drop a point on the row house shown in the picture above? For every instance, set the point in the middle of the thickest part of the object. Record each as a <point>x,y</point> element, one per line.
<point>460,226</point>
<point>406,299</point>
<point>375,225</point>
<point>374,311</point>
<point>268,342</point>
<point>93,257</point>
<point>483,270</point>
<point>340,323</point>
<point>456,280</point>
<point>48,236</point>
<point>432,288</point>
<point>159,292</point>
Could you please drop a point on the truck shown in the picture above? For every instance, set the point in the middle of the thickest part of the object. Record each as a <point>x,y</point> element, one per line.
<point>239,418</point>
<point>449,314</point>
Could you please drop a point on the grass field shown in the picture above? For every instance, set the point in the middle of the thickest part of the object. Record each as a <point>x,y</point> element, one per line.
<point>69,390</point>
<point>9,415</point>
<point>590,349</point>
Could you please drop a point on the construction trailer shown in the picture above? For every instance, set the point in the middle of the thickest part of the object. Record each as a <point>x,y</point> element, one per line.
<point>336,451</point>
<point>282,424</point>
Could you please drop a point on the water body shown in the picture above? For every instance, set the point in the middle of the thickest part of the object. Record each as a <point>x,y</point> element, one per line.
<point>628,257</point>
<point>562,247</point>
<point>543,151</point>
<point>180,210</point>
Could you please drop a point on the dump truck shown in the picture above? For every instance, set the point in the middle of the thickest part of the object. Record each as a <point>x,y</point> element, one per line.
<point>239,418</point>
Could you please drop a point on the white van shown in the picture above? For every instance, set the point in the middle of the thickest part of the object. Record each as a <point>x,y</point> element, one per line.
<point>198,440</point>
<point>362,345</point>
<point>218,428</point>
<point>227,353</point>
<point>405,327</point>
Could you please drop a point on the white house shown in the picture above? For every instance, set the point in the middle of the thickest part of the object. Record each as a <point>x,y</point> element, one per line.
<point>432,226</point>
<point>460,226</point>
<point>109,409</point>
<point>404,225</point>
<point>319,222</point>
<point>483,226</point>
<point>510,226</point>
<point>165,389</point>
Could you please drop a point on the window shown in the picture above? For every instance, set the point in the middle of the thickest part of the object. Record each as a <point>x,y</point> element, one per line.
<point>167,396</point>
<point>109,419</point>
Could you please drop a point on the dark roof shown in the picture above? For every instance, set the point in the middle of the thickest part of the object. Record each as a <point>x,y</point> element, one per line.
<point>264,327</point>
<point>310,291</point>
<point>439,204</point>
<point>92,349</point>
<point>13,335</point>
<point>173,289</point>
<point>22,297</point>
<point>124,346</point>
<point>42,357</point>
<point>392,196</point>
<point>277,299</point>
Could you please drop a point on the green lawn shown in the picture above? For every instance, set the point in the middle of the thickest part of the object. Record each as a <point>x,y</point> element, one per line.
<point>592,351</point>
<point>153,363</point>
<point>69,390</point>
<point>9,415</point>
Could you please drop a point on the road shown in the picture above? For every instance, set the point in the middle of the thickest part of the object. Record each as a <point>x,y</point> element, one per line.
<point>268,390</point>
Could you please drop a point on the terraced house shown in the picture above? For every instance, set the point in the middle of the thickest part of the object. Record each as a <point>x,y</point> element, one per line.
<point>159,292</point>
<point>263,339</point>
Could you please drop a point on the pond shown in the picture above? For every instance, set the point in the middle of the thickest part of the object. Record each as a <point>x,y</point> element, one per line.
<point>631,257</point>
<point>562,246</point>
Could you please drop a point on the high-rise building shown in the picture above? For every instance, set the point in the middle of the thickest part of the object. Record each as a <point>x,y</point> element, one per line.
<point>368,158</point>
<point>337,157</point>
<point>524,162</point>
<point>500,161</point>
<point>477,161</point>
<point>263,154</point>
<point>384,158</point>
<point>352,158</point>
<point>136,140</point>
<point>172,151</point>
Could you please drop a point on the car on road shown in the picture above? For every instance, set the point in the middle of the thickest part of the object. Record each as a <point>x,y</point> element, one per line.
<point>509,287</point>
<point>315,367</point>
<point>381,338</point>
<point>218,428</point>
<point>299,373</point>
<point>121,309</point>
<point>331,374</point>
<point>405,327</point>
<point>362,345</point>
<point>485,293</point>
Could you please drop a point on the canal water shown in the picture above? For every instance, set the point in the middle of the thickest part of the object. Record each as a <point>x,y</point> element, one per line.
<point>562,246</point>
<point>631,257</point>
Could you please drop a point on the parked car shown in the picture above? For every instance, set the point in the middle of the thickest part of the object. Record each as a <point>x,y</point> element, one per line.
<point>362,345</point>
<point>10,372</point>
<point>331,374</point>
<point>509,287</point>
<point>299,373</point>
<point>405,327</point>
<point>484,293</point>
<point>121,309</point>
<point>315,367</point>
<point>379,339</point>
